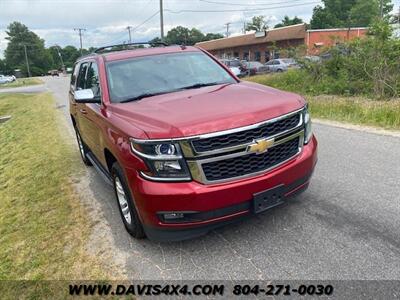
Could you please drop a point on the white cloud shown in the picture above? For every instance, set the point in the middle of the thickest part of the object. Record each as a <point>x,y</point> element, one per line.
<point>106,20</point>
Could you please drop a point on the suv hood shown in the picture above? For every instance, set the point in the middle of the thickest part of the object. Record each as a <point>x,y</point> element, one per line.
<point>208,109</point>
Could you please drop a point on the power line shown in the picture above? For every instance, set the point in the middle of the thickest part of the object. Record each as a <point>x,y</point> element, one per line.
<point>248,4</point>
<point>80,35</point>
<point>145,21</point>
<point>238,10</point>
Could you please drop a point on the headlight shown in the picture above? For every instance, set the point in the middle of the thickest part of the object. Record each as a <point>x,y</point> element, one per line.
<point>164,160</point>
<point>307,126</point>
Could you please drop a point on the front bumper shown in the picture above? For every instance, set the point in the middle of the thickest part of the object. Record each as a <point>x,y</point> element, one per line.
<point>213,205</point>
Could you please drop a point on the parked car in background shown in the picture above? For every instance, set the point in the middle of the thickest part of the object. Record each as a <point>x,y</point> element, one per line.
<point>6,79</point>
<point>312,58</point>
<point>237,71</point>
<point>235,66</point>
<point>254,67</point>
<point>290,62</point>
<point>54,73</point>
<point>277,65</point>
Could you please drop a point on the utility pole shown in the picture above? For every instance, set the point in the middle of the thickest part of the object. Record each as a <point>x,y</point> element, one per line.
<point>244,27</point>
<point>26,61</point>
<point>59,54</point>
<point>381,8</point>
<point>80,35</point>
<point>129,30</point>
<point>161,20</point>
<point>227,29</point>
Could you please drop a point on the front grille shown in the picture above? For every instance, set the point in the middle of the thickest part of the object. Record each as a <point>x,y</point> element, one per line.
<point>252,163</point>
<point>246,136</point>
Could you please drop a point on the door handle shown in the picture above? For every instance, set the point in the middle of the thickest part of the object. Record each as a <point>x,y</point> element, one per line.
<point>82,110</point>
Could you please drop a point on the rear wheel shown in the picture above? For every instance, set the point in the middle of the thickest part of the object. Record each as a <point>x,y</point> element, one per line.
<point>129,215</point>
<point>83,149</point>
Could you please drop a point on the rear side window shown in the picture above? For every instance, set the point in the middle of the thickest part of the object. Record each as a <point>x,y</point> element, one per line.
<point>80,85</point>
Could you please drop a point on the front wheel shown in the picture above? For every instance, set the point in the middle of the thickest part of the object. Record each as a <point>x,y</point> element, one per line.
<point>129,215</point>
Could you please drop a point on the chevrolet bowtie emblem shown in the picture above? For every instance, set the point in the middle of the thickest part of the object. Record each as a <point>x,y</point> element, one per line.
<point>260,146</point>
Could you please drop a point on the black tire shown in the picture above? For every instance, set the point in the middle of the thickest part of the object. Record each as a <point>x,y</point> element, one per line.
<point>134,227</point>
<point>279,71</point>
<point>83,149</point>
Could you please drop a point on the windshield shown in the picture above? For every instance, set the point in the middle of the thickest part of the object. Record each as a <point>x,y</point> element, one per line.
<point>140,77</point>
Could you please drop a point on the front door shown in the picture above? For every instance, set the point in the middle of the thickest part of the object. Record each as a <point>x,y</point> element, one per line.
<point>90,113</point>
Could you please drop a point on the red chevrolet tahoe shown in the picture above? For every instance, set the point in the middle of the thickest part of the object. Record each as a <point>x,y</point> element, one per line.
<point>187,145</point>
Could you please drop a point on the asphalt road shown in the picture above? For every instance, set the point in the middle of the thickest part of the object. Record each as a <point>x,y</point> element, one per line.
<point>345,226</point>
<point>25,89</point>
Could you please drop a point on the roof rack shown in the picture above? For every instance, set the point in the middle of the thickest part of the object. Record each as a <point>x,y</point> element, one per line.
<point>98,50</point>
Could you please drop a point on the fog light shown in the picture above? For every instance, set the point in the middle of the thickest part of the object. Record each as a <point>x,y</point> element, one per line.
<point>164,165</point>
<point>172,216</point>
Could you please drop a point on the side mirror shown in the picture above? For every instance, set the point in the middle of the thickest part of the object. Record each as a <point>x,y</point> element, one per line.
<point>86,96</point>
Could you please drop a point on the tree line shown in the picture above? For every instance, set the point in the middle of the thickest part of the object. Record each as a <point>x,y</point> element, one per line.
<point>42,59</point>
<point>332,14</point>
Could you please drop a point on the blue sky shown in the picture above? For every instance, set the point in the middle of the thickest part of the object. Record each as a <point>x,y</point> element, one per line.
<point>106,20</point>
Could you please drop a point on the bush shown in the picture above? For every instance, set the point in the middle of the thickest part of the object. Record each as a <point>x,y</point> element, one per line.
<point>368,66</point>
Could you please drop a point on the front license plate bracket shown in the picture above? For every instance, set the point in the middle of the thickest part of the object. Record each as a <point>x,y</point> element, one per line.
<point>267,199</point>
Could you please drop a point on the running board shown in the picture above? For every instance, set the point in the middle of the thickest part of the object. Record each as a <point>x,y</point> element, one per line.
<point>99,168</point>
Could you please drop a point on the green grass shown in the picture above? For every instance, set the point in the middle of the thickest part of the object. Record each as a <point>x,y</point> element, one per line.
<point>354,110</point>
<point>21,82</point>
<point>292,81</point>
<point>43,226</point>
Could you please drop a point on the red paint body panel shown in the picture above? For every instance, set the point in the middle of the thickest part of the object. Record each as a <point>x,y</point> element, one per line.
<point>192,196</point>
<point>206,110</point>
<point>109,126</point>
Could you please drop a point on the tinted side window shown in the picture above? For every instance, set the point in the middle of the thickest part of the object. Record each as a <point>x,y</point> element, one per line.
<point>74,75</point>
<point>92,79</point>
<point>80,85</point>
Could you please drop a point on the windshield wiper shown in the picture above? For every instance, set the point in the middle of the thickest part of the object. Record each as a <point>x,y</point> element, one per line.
<point>141,96</point>
<point>200,85</point>
<point>193,86</point>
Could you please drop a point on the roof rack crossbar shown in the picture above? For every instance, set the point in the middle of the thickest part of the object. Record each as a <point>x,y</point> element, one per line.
<point>129,44</point>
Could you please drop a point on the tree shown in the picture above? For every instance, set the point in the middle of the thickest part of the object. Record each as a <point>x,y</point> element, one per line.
<point>258,23</point>
<point>4,69</point>
<point>286,21</point>
<point>345,13</point>
<point>212,36</point>
<point>70,54</point>
<point>184,36</point>
<point>40,60</point>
